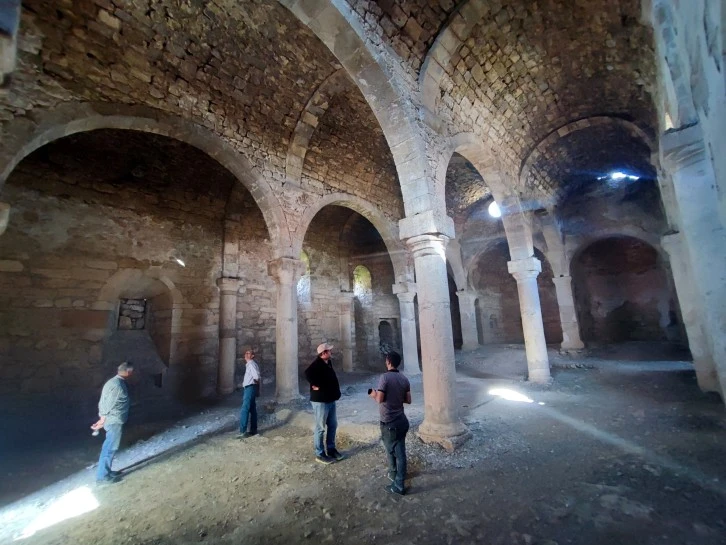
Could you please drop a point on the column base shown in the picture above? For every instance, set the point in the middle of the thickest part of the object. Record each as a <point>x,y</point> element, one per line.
<point>450,436</point>
<point>469,347</point>
<point>225,391</point>
<point>288,397</point>
<point>540,376</point>
<point>573,350</point>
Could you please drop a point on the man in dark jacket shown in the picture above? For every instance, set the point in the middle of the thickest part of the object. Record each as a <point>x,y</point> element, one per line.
<point>324,392</point>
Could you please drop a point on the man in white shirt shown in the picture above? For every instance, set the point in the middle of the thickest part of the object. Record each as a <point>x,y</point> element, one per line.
<point>250,386</point>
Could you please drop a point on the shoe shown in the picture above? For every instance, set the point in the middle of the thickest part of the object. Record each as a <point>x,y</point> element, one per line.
<point>334,454</point>
<point>108,480</point>
<point>393,489</point>
<point>323,459</point>
<point>245,435</point>
<point>114,474</point>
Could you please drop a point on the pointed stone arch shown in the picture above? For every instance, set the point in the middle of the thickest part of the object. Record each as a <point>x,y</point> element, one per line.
<point>385,227</point>
<point>385,90</point>
<point>24,135</point>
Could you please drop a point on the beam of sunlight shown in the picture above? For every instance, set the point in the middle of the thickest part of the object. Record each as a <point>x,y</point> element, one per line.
<point>695,475</point>
<point>510,395</point>
<point>75,503</point>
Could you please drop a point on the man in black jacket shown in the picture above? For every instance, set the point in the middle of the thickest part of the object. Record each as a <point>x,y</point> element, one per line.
<point>324,392</point>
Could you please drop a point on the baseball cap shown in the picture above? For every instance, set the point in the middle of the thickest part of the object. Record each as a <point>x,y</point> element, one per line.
<point>323,347</point>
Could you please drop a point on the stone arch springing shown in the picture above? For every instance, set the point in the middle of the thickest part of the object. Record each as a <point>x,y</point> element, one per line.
<point>24,135</point>
<point>503,187</point>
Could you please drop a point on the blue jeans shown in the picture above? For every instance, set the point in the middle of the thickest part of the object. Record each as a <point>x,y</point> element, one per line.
<point>394,441</point>
<point>108,450</point>
<point>324,417</point>
<point>249,409</point>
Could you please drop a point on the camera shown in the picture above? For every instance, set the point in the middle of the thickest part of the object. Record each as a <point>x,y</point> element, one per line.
<point>370,390</point>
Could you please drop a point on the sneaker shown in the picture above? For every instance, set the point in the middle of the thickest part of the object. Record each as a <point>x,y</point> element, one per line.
<point>393,489</point>
<point>114,474</point>
<point>246,434</point>
<point>323,459</point>
<point>333,453</point>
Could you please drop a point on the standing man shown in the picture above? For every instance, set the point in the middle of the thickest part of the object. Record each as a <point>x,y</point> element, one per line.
<point>393,391</point>
<point>250,386</point>
<point>324,392</point>
<point>113,411</point>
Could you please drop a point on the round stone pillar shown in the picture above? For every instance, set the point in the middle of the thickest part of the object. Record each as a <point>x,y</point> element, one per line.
<point>525,272</point>
<point>286,272</point>
<point>441,423</point>
<point>571,341</point>
<point>228,288</point>
<point>406,291</point>
<point>467,312</point>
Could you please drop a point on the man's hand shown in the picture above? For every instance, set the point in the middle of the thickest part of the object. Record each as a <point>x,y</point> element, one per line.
<point>98,425</point>
<point>314,387</point>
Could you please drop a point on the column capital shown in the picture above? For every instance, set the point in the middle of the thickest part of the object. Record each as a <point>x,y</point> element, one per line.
<point>285,270</point>
<point>345,298</point>
<point>467,296</point>
<point>404,288</point>
<point>523,269</point>
<point>563,280</point>
<point>426,223</point>
<point>672,243</point>
<point>682,147</point>
<point>425,245</point>
<point>228,285</point>
<point>4,216</point>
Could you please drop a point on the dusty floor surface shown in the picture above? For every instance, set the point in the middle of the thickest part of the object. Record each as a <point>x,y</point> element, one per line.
<point>615,451</point>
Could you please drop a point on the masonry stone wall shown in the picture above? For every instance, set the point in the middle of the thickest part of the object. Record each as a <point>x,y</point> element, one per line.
<point>622,293</point>
<point>101,217</point>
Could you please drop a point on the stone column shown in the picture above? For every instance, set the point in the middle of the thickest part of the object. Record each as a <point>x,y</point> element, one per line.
<point>686,160</point>
<point>406,291</point>
<point>346,326</point>
<point>228,288</point>
<point>525,272</point>
<point>571,341</point>
<point>687,296</point>
<point>4,216</point>
<point>441,423</point>
<point>467,311</point>
<point>286,271</point>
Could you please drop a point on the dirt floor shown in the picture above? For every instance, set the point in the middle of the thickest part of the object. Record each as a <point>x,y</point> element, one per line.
<point>615,451</point>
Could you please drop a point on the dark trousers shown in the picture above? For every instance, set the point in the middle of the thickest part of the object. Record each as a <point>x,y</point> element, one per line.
<point>248,413</point>
<point>394,441</point>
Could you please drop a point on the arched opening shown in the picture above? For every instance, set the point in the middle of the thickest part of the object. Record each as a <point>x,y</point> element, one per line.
<point>303,285</point>
<point>455,312</point>
<point>622,293</point>
<point>358,266</point>
<point>117,239</point>
<point>551,320</point>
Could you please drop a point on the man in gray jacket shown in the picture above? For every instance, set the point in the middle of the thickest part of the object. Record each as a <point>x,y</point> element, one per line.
<point>113,411</point>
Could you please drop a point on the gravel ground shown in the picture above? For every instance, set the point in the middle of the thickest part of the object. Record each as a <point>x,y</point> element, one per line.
<point>615,450</point>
